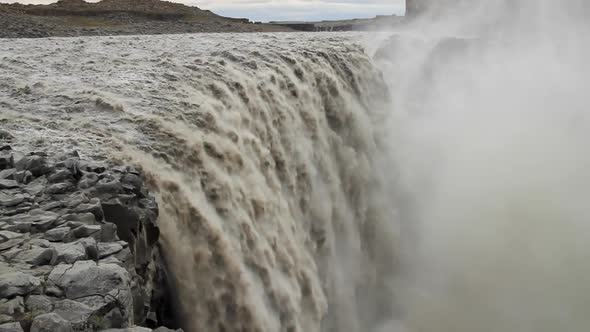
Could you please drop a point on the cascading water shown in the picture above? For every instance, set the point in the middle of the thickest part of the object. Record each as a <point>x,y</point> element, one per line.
<point>264,150</point>
<point>436,181</point>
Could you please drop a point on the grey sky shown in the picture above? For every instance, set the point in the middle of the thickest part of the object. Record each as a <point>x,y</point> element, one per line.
<point>265,10</point>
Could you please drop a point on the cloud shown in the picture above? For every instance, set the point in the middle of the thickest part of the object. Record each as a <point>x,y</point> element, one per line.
<point>291,10</point>
<point>266,10</point>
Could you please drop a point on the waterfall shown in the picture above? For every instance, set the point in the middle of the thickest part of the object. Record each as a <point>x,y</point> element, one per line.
<point>429,179</point>
<point>266,154</point>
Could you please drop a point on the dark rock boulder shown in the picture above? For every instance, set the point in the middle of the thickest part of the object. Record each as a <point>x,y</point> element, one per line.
<point>78,246</point>
<point>37,165</point>
<point>51,322</point>
<point>6,160</point>
<point>8,184</point>
<point>60,175</point>
<point>7,173</point>
<point>11,327</point>
<point>18,283</point>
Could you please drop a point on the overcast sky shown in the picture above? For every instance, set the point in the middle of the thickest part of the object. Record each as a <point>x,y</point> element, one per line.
<point>292,10</point>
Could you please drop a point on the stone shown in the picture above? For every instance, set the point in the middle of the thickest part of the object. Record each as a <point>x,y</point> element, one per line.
<point>84,218</point>
<point>133,181</point>
<point>34,189</point>
<point>18,283</point>
<point>60,176</point>
<point>58,188</point>
<point>40,243</point>
<point>133,170</point>
<point>165,329</point>
<point>10,254</point>
<point>6,161</point>
<point>51,205</point>
<point>40,213</point>
<point>8,235</point>
<point>11,327</point>
<point>72,164</point>
<point>86,278</point>
<point>19,227</point>
<point>76,199</point>
<point>111,260</point>
<point>87,181</point>
<point>91,248</point>
<point>125,256</point>
<point>50,322</point>
<point>7,173</point>
<point>22,208</point>
<point>23,177</point>
<point>36,256</point>
<point>86,231</point>
<point>90,166</point>
<point>10,199</point>
<point>129,329</point>
<point>75,312</point>
<point>13,306</point>
<point>97,286</point>
<point>69,253</point>
<point>38,304</point>
<point>108,233</point>
<point>35,164</point>
<point>93,207</point>
<point>106,187</point>
<point>43,223</point>
<point>118,169</point>
<point>8,184</point>
<point>11,243</point>
<point>56,234</point>
<point>5,319</point>
<point>107,249</point>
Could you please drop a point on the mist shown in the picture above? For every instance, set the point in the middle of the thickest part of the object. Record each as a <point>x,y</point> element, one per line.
<point>488,139</point>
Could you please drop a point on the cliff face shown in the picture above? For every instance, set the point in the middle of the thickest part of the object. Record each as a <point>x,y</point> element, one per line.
<point>78,246</point>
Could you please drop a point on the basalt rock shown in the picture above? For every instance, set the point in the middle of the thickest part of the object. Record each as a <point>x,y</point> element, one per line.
<point>78,247</point>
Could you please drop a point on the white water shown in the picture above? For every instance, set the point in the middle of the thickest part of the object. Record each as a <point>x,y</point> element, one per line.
<point>305,187</point>
<point>265,154</point>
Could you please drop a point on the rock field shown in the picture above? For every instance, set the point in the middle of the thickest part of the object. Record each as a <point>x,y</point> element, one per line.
<point>78,246</point>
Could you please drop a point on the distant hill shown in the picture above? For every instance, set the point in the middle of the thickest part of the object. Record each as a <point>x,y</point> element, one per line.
<point>116,17</point>
<point>150,8</point>
<point>377,23</point>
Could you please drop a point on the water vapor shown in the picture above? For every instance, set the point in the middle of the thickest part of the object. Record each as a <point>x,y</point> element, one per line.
<point>489,133</point>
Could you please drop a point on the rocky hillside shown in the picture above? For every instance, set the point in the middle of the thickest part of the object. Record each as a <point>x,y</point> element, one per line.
<point>116,17</point>
<point>78,246</point>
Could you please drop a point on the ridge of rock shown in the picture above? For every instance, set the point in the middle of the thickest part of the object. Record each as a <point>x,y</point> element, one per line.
<point>78,247</point>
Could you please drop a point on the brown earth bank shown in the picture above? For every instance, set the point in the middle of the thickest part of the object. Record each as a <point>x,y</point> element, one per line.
<point>68,18</point>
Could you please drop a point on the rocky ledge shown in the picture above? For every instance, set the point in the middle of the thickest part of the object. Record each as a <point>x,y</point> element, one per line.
<point>78,247</point>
